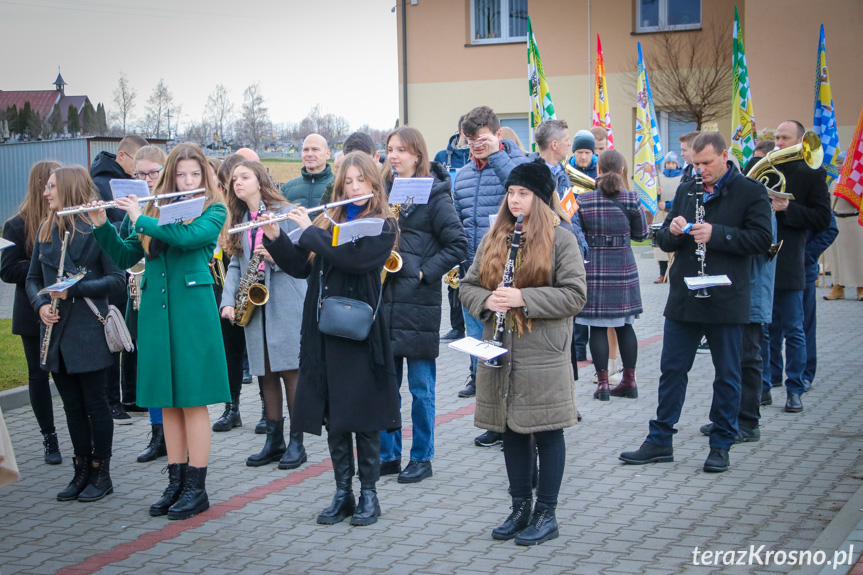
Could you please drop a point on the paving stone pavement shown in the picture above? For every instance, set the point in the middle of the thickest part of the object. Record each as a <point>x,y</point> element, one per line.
<point>781,492</point>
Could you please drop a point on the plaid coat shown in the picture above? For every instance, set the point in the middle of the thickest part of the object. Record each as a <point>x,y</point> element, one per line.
<point>612,275</point>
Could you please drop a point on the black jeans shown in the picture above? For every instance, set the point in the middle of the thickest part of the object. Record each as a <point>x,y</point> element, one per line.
<point>87,413</point>
<point>40,391</point>
<point>750,377</point>
<point>519,457</point>
<point>456,318</point>
<point>234,338</point>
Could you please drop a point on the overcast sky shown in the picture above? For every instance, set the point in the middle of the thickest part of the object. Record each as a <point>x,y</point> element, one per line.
<point>340,54</point>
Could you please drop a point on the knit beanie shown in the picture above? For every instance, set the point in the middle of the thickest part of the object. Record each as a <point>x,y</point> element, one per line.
<point>583,140</point>
<point>535,176</point>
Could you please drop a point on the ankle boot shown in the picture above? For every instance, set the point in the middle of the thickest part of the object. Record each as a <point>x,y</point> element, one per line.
<point>193,499</point>
<point>295,454</point>
<point>516,521</point>
<point>542,526</point>
<point>229,419</point>
<point>100,481</point>
<point>342,454</point>
<point>626,387</point>
<point>274,446</point>
<point>368,508</point>
<point>836,292</point>
<point>261,426</point>
<point>52,449</point>
<point>369,462</point>
<point>602,392</point>
<point>176,478</point>
<point>156,448</point>
<point>79,481</point>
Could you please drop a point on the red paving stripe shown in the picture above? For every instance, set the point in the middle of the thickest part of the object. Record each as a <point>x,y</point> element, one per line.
<point>171,530</point>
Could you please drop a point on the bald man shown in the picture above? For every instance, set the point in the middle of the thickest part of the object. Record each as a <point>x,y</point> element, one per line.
<point>249,154</point>
<point>307,189</point>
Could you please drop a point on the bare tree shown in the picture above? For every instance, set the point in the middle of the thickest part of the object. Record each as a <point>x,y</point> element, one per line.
<point>124,100</point>
<point>333,128</point>
<point>690,72</point>
<point>255,116</point>
<point>156,122</point>
<point>220,111</point>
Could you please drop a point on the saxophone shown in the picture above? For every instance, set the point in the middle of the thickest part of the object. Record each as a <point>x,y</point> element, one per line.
<point>394,262</point>
<point>251,292</point>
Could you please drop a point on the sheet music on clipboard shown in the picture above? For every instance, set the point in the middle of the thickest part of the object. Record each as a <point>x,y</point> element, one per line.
<point>4,243</point>
<point>350,231</point>
<point>411,190</point>
<point>179,212</point>
<point>125,188</point>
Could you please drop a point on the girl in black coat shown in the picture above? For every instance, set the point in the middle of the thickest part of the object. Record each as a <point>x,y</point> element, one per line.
<point>78,355</point>
<point>347,385</point>
<point>431,242</point>
<point>14,264</point>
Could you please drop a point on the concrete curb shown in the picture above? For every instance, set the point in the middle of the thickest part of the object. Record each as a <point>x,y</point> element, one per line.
<point>20,397</point>
<point>845,530</point>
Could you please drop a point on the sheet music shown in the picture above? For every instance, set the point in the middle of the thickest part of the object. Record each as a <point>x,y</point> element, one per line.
<point>4,243</point>
<point>179,212</point>
<point>696,283</point>
<point>780,195</point>
<point>477,348</point>
<point>124,188</point>
<point>63,285</point>
<point>411,190</point>
<point>492,218</point>
<point>350,231</point>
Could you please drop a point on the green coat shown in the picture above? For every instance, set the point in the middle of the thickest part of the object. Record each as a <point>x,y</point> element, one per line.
<point>181,357</point>
<point>306,190</point>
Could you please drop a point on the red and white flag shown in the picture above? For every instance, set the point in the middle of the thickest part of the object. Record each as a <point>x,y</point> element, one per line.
<point>850,184</point>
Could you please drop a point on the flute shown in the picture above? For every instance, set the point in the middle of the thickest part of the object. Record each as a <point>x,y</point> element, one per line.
<point>281,217</point>
<point>113,204</point>
<point>46,339</point>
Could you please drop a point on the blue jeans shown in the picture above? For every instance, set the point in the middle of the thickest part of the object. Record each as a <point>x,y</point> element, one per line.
<point>766,385</point>
<point>680,341</point>
<point>809,324</point>
<point>787,324</point>
<point>421,382</point>
<point>473,328</point>
<point>155,415</point>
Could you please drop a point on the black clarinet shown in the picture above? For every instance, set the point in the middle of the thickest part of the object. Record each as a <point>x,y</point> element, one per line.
<point>508,273</point>
<point>700,249</point>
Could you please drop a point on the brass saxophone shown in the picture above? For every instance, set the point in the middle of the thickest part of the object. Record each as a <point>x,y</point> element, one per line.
<point>394,262</point>
<point>251,292</point>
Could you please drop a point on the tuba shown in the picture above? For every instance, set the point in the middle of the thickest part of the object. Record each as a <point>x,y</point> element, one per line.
<point>135,283</point>
<point>809,150</point>
<point>579,180</point>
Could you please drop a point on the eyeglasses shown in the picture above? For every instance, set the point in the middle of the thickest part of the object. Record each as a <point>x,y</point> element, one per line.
<point>49,186</point>
<point>149,175</point>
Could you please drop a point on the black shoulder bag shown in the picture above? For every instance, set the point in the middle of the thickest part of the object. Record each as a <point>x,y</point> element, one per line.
<point>345,317</point>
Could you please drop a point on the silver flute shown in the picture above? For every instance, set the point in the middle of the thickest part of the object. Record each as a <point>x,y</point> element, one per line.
<point>46,339</point>
<point>281,217</point>
<point>113,204</point>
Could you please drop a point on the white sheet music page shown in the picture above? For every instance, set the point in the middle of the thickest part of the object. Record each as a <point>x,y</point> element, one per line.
<point>411,190</point>
<point>124,188</point>
<point>477,348</point>
<point>696,283</point>
<point>4,243</point>
<point>350,231</point>
<point>179,212</point>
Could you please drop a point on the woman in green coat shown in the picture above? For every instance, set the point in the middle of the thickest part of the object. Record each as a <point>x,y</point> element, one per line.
<point>181,354</point>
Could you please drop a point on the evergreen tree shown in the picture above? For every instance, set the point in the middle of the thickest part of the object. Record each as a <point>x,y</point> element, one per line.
<point>88,119</point>
<point>35,126</point>
<point>12,117</point>
<point>73,124</point>
<point>101,120</point>
<point>55,123</point>
<point>22,122</point>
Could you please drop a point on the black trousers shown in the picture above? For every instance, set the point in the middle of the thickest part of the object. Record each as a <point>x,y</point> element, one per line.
<point>751,364</point>
<point>456,318</point>
<point>234,338</point>
<point>40,390</point>
<point>519,456</point>
<point>87,413</point>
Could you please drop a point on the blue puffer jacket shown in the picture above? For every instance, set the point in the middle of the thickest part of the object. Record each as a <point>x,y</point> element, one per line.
<point>590,170</point>
<point>453,157</point>
<point>478,193</point>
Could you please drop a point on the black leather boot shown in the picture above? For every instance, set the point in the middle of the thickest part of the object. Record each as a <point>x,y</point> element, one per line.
<point>342,454</point>
<point>369,462</point>
<point>516,521</point>
<point>100,481</point>
<point>541,528</point>
<point>274,447</point>
<point>227,419</point>
<point>156,448</point>
<point>261,426</point>
<point>295,454</point>
<point>79,481</point>
<point>193,499</point>
<point>52,449</point>
<point>176,478</point>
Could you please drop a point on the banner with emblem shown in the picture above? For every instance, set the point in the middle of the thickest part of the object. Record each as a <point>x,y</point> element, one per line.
<point>646,141</point>
<point>850,184</point>
<point>824,124</point>
<point>601,112</point>
<point>743,133</point>
<point>541,107</point>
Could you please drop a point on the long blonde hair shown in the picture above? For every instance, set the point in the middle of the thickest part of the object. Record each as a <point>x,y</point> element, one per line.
<point>74,188</point>
<point>168,183</point>
<point>237,208</point>
<point>34,209</point>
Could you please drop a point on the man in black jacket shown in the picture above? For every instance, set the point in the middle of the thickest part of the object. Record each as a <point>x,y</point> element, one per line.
<point>120,166</point>
<point>809,210</point>
<point>736,225</point>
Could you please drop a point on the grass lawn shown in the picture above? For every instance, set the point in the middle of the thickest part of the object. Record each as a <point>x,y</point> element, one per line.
<point>13,366</point>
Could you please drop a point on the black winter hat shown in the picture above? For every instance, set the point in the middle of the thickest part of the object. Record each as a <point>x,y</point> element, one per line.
<point>535,176</point>
<point>584,140</point>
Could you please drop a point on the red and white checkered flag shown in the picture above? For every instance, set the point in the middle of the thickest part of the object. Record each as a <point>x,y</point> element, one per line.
<point>850,184</point>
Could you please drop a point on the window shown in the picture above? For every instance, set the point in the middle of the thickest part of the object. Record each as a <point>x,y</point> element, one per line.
<point>656,15</point>
<point>669,132</point>
<point>496,21</point>
<point>520,125</point>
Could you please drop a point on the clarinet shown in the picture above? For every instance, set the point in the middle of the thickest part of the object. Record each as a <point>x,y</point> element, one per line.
<point>700,248</point>
<point>508,273</point>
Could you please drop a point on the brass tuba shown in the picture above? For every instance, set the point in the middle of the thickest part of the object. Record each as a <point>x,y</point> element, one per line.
<point>579,180</point>
<point>809,150</point>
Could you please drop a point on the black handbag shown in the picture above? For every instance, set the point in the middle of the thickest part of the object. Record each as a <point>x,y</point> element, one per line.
<point>345,317</point>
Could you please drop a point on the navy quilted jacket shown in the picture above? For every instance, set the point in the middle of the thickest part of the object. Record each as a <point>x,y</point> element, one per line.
<point>478,193</point>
